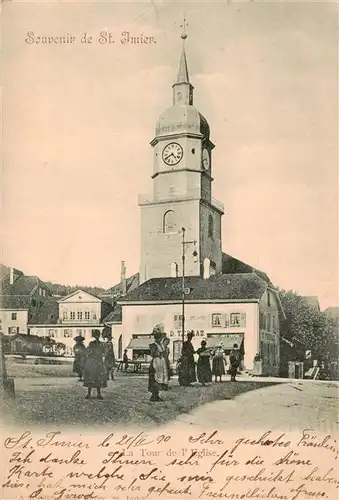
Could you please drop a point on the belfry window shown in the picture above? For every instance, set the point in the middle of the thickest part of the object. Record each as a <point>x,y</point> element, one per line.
<point>210,226</point>
<point>169,222</point>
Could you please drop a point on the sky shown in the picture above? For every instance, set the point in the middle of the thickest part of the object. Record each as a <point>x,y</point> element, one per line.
<point>78,120</point>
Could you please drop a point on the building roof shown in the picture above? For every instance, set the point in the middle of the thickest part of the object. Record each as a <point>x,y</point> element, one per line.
<point>114,316</point>
<point>332,312</point>
<point>231,265</point>
<point>182,119</point>
<point>220,287</point>
<point>19,294</point>
<point>15,301</point>
<point>77,292</point>
<point>312,301</point>
<point>131,283</point>
<point>47,314</point>
<point>5,272</point>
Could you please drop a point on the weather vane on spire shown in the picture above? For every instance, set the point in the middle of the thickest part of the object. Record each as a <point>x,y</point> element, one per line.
<point>183,26</point>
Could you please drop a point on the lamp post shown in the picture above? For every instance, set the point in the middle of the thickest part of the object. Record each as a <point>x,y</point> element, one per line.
<point>195,254</point>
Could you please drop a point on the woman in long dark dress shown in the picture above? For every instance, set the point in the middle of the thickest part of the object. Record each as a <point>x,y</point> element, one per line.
<point>158,372</point>
<point>204,371</point>
<point>79,356</point>
<point>166,342</point>
<point>109,357</point>
<point>95,376</point>
<point>187,365</point>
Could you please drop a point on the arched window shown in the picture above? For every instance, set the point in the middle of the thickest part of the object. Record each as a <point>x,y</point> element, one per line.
<point>210,226</point>
<point>169,222</point>
<point>174,270</point>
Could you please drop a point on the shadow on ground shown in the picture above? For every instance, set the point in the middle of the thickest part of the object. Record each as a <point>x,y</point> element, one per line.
<point>60,402</point>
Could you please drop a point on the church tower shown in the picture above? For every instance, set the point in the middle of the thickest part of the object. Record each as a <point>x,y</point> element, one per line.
<point>181,197</point>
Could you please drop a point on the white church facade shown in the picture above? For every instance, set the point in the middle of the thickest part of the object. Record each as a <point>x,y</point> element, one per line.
<point>226,301</point>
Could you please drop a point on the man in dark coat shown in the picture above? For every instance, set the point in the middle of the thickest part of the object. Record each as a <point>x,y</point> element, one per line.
<point>234,362</point>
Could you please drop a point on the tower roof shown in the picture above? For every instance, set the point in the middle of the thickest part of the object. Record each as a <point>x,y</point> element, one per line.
<point>182,88</point>
<point>182,117</point>
<point>182,120</point>
<point>183,69</point>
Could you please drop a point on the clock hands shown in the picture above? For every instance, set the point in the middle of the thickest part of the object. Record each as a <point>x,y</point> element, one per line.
<point>172,154</point>
<point>166,157</point>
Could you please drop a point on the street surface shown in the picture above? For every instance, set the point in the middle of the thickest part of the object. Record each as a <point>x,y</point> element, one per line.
<point>61,401</point>
<point>250,402</point>
<point>289,406</point>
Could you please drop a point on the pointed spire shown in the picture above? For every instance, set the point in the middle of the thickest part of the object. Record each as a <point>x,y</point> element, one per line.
<point>183,90</point>
<point>183,69</point>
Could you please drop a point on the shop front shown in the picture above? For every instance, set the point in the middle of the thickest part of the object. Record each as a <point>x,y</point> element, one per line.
<point>138,348</point>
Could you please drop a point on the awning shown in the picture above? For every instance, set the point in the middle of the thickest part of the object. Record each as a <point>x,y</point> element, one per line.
<point>140,343</point>
<point>226,340</point>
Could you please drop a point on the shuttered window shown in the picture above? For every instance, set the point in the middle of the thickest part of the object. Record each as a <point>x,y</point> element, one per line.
<point>238,319</point>
<point>217,319</point>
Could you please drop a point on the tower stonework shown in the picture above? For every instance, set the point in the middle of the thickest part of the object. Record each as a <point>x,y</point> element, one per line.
<point>181,196</point>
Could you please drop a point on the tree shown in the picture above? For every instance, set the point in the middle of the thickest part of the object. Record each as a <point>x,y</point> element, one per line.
<point>307,328</point>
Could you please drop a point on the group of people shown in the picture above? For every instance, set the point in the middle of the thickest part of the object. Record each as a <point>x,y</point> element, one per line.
<point>94,364</point>
<point>159,370</point>
<point>187,373</point>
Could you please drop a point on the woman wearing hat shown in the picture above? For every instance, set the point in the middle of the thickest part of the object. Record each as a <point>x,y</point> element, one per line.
<point>95,376</point>
<point>158,370</point>
<point>79,356</point>
<point>187,366</point>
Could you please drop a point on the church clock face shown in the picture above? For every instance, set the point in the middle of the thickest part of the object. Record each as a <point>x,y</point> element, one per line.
<point>172,153</point>
<point>205,159</point>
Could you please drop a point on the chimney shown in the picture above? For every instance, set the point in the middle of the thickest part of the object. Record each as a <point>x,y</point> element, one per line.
<point>11,275</point>
<point>207,264</point>
<point>123,278</point>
